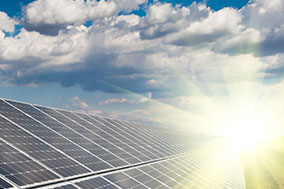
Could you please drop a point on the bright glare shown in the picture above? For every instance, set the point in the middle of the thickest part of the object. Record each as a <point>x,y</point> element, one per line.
<point>245,130</point>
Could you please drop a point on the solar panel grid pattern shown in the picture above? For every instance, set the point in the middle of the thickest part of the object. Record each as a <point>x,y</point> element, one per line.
<point>164,174</point>
<point>144,143</point>
<point>153,142</point>
<point>41,145</point>
<point>72,143</point>
<point>54,139</point>
<point>106,147</point>
<point>116,137</point>
<point>109,142</point>
<point>21,169</point>
<point>33,146</point>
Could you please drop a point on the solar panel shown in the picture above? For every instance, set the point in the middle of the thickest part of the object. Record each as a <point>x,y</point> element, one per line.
<point>53,148</point>
<point>20,169</point>
<point>123,150</point>
<point>4,184</point>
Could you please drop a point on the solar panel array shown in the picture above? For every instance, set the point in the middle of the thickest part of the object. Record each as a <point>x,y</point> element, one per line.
<point>52,148</point>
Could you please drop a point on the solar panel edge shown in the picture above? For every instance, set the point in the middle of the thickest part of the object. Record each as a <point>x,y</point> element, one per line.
<point>14,185</point>
<point>34,104</point>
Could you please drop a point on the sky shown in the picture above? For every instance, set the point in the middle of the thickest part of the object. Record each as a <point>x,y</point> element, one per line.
<point>182,64</point>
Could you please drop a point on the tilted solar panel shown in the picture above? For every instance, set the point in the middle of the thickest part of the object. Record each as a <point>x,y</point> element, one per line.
<point>53,148</point>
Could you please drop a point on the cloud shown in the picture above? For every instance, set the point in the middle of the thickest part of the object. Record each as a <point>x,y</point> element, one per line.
<point>167,49</point>
<point>146,98</point>
<point>263,33</point>
<point>114,101</point>
<point>126,100</point>
<point>164,19</point>
<point>263,42</point>
<point>6,23</point>
<point>49,16</point>
<point>91,112</point>
<point>79,103</point>
<point>128,6</point>
<point>210,29</point>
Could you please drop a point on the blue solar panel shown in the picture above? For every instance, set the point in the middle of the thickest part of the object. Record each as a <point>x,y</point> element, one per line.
<point>46,147</point>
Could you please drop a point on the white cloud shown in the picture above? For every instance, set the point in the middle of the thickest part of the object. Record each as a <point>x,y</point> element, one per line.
<point>210,29</point>
<point>161,13</point>
<point>52,12</point>
<point>6,23</point>
<point>146,98</point>
<point>131,20</point>
<point>114,101</point>
<point>171,47</point>
<point>127,5</point>
<point>261,14</point>
<point>79,103</point>
<point>49,16</point>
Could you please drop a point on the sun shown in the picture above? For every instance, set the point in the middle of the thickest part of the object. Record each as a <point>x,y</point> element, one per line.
<point>246,130</point>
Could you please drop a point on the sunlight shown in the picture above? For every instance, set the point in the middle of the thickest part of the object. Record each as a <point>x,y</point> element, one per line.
<point>246,130</point>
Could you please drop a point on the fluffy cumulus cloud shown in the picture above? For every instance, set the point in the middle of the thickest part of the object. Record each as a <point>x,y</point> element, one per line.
<point>49,16</point>
<point>167,49</point>
<point>7,24</point>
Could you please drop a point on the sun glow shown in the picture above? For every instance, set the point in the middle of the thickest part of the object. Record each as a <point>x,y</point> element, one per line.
<point>246,130</point>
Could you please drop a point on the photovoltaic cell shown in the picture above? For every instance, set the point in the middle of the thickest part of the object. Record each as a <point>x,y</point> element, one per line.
<point>113,155</point>
<point>116,157</point>
<point>125,135</point>
<point>152,140</point>
<point>21,169</point>
<point>122,180</point>
<point>65,139</point>
<point>120,149</point>
<point>43,149</point>
<point>115,137</point>
<point>144,178</point>
<point>96,183</point>
<point>139,137</point>
<point>4,184</point>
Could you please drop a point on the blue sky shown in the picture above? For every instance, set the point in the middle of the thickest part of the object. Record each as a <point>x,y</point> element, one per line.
<point>163,62</point>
